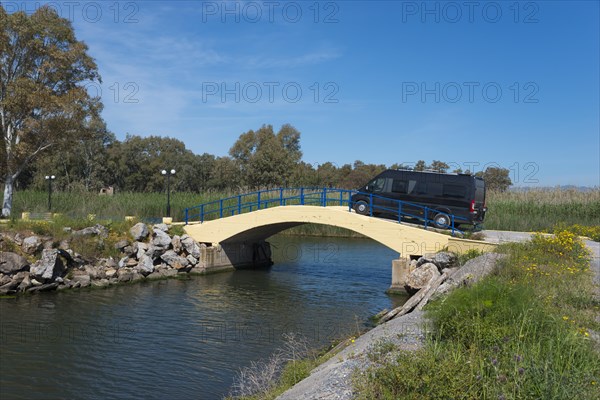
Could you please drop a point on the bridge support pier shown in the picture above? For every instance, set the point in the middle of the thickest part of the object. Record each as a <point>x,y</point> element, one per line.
<point>239,255</point>
<point>400,271</point>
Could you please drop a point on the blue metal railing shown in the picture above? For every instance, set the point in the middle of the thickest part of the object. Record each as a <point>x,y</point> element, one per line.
<point>323,197</point>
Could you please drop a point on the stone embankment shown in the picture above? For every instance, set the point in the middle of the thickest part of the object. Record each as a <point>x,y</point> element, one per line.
<point>432,276</point>
<point>151,254</point>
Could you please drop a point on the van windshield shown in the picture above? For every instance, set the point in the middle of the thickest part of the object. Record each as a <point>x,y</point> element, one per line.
<point>376,185</point>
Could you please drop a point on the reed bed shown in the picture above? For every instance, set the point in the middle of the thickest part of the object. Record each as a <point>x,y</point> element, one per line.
<point>538,210</point>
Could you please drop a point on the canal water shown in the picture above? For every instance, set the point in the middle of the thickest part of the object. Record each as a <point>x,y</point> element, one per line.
<point>186,339</point>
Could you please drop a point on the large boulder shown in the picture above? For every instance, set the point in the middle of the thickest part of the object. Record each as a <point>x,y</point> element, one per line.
<point>4,279</point>
<point>191,246</point>
<point>31,244</point>
<point>161,227</point>
<point>153,251</point>
<point>161,239</point>
<point>49,266</point>
<point>420,277</point>
<point>110,273</point>
<point>11,263</point>
<point>443,259</point>
<point>193,260</point>
<point>121,244</point>
<point>96,230</point>
<point>25,283</point>
<point>12,237</point>
<point>176,244</point>
<point>100,283</point>
<point>81,279</point>
<point>145,265</point>
<point>95,272</point>
<point>174,260</point>
<point>473,271</point>
<point>139,231</point>
<point>123,262</point>
<point>140,249</point>
<point>10,287</point>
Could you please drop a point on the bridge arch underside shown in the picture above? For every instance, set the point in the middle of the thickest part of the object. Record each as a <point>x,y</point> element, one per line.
<point>260,225</point>
<point>262,232</point>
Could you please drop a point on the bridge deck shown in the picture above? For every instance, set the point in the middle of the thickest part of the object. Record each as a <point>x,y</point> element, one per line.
<point>261,224</point>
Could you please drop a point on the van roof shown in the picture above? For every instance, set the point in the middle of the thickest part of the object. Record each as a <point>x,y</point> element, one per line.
<point>431,171</point>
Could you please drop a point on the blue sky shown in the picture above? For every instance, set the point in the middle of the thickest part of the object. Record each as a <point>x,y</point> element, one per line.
<point>473,84</point>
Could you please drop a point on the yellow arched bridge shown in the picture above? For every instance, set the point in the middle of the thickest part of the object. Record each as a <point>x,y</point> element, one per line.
<point>254,217</point>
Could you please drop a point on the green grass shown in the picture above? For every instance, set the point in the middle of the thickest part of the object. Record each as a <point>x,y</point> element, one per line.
<point>80,205</point>
<point>538,210</point>
<point>522,333</point>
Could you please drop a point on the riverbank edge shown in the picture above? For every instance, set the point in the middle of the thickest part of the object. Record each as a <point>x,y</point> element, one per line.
<point>332,378</point>
<point>31,263</point>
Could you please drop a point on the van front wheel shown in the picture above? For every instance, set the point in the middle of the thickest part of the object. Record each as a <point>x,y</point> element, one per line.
<point>441,221</point>
<point>361,207</point>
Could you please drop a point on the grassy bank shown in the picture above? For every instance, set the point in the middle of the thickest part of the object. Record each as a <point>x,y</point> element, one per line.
<point>522,333</point>
<point>519,211</point>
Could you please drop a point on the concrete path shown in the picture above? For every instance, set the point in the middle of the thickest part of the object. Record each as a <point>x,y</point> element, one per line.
<point>332,379</point>
<point>506,236</point>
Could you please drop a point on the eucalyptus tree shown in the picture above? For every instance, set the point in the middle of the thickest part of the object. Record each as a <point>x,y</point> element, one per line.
<point>44,103</point>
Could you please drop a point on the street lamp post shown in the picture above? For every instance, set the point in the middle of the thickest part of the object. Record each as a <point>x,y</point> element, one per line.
<point>168,175</point>
<point>50,178</point>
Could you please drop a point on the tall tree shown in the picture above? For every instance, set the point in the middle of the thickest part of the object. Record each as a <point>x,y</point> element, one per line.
<point>265,158</point>
<point>83,167</point>
<point>136,163</point>
<point>420,166</point>
<point>43,100</point>
<point>496,178</point>
<point>439,166</point>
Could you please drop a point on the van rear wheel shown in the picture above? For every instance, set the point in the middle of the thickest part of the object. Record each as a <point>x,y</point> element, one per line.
<point>361,207</point>
<point>441,220</point>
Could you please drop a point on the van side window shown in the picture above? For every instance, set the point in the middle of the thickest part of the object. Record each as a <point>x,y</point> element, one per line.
<point>421,188</point>
<point>411,186</point>
<point>454,191</point>
<point>399,186</point>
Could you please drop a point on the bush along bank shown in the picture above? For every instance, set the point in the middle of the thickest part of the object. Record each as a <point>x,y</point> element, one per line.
<point>38,263</point>
<point>523,332</point>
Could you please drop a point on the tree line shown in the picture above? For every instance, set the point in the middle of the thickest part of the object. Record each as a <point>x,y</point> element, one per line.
<point>50,125</point>
<point>262,158</point>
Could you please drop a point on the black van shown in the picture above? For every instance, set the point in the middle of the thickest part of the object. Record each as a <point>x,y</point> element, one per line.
<point>458,194</point>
